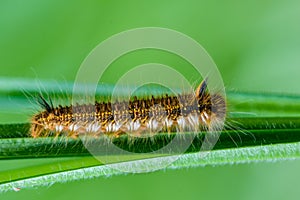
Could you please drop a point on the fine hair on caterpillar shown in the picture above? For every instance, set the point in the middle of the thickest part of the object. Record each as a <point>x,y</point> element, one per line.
<point>136,117</point>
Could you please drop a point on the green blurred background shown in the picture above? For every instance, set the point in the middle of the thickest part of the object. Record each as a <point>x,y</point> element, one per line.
<point>255,44</point>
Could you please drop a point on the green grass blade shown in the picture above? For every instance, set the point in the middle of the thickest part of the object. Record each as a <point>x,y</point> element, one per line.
<point>271,153</point>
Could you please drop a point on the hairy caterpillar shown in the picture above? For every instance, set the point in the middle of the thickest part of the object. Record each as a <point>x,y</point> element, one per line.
<point>138,116</point>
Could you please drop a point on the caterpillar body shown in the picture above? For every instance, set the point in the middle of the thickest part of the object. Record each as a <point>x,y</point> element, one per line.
<point>152,115</point>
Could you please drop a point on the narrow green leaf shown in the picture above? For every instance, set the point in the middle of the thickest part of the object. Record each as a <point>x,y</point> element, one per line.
<point>268,153</point>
